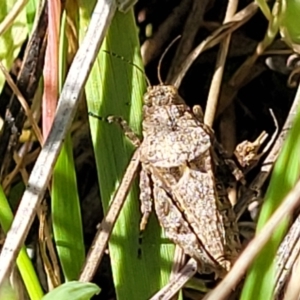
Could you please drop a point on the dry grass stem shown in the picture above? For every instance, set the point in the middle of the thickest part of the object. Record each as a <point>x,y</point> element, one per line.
<point>102,236</point>
<point>66,109</point>
<point>215,87</point>
<point>231,280</point>
<point>216,37</point>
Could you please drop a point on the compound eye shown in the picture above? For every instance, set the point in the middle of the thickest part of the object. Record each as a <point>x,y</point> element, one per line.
<point>173,89</point>
<point>147,100</point>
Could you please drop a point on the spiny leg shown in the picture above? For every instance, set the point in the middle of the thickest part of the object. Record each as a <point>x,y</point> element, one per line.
<point>145,198</point>
<point>146,203</point>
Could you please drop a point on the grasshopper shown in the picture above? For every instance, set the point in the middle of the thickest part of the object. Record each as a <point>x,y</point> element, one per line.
<point>177,175</point>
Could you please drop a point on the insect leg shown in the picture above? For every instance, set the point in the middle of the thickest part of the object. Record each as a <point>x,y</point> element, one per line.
<point>130,134</point>
<point>145,198</point>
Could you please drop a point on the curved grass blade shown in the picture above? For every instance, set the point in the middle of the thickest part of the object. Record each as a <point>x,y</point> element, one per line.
<point>12,35</point>
<point>73,290</point>
<point>24,263</point>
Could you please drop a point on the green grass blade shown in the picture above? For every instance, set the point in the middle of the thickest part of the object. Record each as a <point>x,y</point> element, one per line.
<point>289,27</point>
<point>24,263</point>
<point>74,290</point>
<point>32,7</point>
<point>260,280</point>
<point>13,38</point>
<point>66,213</point>
<point>116,88</point>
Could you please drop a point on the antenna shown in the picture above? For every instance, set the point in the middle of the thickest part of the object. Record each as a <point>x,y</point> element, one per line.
<point>130,62</point>
<point>163,56</point>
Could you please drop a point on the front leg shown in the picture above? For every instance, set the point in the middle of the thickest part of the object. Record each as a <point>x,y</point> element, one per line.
<point>129,133</point>
<point>144,182</point>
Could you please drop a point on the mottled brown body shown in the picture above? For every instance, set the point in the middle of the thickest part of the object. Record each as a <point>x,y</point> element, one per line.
<point>178,174</point>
